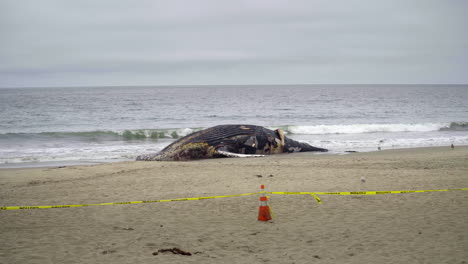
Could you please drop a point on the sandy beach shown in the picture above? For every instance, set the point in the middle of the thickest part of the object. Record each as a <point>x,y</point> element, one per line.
<point>429,227</point>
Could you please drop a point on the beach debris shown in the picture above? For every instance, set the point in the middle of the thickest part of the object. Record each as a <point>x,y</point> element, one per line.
<point>109,251</point>
<point>317,257</point>
<point>123,228</point>
<point>363,179</point>
<point>271,175</point>
<point>259,176</point>
<point>35,182</point>
<point>176,251</point>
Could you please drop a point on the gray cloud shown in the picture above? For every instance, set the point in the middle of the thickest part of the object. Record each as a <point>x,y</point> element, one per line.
<point>65,43</point>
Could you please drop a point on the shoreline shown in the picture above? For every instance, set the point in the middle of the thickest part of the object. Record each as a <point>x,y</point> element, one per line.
<point>397,228</point>
<point>65,163</point>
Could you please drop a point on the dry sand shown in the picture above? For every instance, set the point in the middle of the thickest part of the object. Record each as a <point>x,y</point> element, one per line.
<point>392,228</point>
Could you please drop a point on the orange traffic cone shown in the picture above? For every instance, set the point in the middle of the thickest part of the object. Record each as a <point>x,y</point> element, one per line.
<point>264,210</point>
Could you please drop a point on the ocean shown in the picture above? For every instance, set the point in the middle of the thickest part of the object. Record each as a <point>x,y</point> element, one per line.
<point>88,125</point>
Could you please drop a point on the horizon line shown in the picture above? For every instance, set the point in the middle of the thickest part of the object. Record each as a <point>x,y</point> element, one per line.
<point>234,85</point>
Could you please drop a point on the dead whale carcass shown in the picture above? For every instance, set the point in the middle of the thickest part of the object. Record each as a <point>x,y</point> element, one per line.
<point>230,141</point>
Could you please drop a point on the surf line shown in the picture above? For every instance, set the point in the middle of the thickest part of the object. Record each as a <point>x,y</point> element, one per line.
<point>313,194</point>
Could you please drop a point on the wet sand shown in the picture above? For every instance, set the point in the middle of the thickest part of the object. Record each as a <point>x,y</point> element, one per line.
<point>393,228</point>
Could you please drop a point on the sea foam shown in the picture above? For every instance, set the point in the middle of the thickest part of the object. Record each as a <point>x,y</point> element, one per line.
<point>366,128</point>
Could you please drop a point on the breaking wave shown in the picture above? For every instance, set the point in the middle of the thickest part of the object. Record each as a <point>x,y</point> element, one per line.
<point>155,134</point>
<point>373,128</point>
<point>456,126</point>
<point>137,134</point>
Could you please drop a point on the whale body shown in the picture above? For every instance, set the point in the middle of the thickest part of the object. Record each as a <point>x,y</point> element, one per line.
<point>230,141</point>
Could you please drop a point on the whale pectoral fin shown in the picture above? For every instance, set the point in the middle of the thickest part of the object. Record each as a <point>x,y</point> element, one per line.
<point>237,155</point>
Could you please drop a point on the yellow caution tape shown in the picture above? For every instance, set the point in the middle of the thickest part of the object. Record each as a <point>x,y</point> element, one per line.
<point>314,194</point>
<point>369,192</point>
<point>133,202</point>
<point>316,198</point>
<point>388,192</point>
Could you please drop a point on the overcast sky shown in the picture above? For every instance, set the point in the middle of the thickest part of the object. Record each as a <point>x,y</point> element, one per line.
<point>113,42</point>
